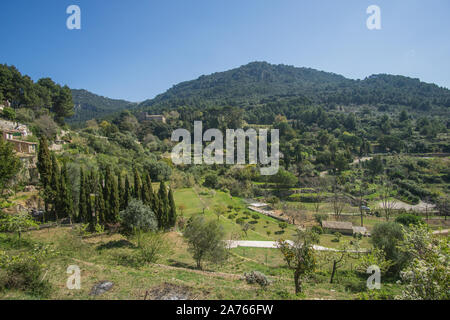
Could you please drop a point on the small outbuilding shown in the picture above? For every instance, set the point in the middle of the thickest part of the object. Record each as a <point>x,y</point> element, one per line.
<point>338,226</point>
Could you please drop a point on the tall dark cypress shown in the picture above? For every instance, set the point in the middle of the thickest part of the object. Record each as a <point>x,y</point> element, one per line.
<point>163,206</point>
<point>172,210</point>
<point>53,187</point>
<point>147,190</point>
<point>121,191</point>
<point>100,203</point>
<point>115,202</point>
<point>82,204</point>
<point>127,192</point>
<point>44,166</point>
<point>137,185</point>
<point>66,203</point>
<point>107,192</point>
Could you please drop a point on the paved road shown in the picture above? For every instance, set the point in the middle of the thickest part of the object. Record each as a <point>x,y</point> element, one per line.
<point>271,244</point>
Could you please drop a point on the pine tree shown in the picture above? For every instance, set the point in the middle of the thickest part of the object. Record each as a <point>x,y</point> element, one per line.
<point>83,202</point>
<point>137,185</point>
<point>172,210</point>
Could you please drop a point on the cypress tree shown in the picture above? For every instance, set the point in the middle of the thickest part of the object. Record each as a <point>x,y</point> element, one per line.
<point>137,185</point>
<point>115,202</point>
<point>107,192</point>
<point>53,187</point>
<point>65,199</point>
<point>44,166</point>
<point>172,210</point>
<point>147,191</point>
<point>83,203</point>
<point>121,192</point>
<point>163,206</point>
<point>100,204</point>
<point>127,192</point>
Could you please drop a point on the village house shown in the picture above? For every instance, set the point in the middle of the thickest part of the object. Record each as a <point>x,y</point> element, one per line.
<point>4,104</point>
<point>144,116</point>
<point>14,133</point>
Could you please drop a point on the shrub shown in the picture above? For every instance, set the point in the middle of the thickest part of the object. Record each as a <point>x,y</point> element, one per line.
<point>255,216</point>
<point>407,219</point>
<point>337,237</point>
<point>257,277</point>
<point>317,229</point>
<point>319,217</point>
<point>211,181</point>
<point>283,225</point>
<point>25,272</point>
<point>386,236</point>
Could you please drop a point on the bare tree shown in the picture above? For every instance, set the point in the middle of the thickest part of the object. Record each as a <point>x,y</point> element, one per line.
<point>320,187</point>
<point>294,212</point>
<point>388,203</point>
<point>338,200</point>
<point>443,206</point>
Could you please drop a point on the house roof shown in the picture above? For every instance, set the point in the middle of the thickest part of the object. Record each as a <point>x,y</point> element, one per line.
<point>337,225</point>
<point>24,142</point>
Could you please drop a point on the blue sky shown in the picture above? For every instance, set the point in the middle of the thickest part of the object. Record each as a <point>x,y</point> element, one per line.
<point>137,49</point>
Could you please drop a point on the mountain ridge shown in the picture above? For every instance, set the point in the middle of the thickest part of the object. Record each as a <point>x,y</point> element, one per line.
<point>258,80</point>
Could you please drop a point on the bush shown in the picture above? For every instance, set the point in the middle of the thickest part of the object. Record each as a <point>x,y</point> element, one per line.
<point>407,219</point>
<point>211,181</point>
<point>317,229</point>
<point>24,272</point>
<point>386,236</point>
<point>152,247</point>
<point>257,277</point>
<point>319,217</point>
<point>337,237</point>
<point>255,216</point>
<point>138,217</point>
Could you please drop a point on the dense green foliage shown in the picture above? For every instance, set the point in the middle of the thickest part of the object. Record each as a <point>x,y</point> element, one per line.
<point>22,92</point>
<point>91,106</point>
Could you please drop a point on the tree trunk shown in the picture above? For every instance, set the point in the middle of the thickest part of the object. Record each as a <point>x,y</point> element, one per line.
<point>334,271</point>
<point>298,284</point>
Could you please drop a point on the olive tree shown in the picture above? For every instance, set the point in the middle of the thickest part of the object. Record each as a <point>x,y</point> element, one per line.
<point>300,256</point>
<point>138,217</point>
<point>427,272</point>
<point>205,240</point>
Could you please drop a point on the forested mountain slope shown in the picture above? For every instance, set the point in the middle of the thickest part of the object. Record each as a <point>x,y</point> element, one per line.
<point>257,81</point>
<point>89,105</point>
